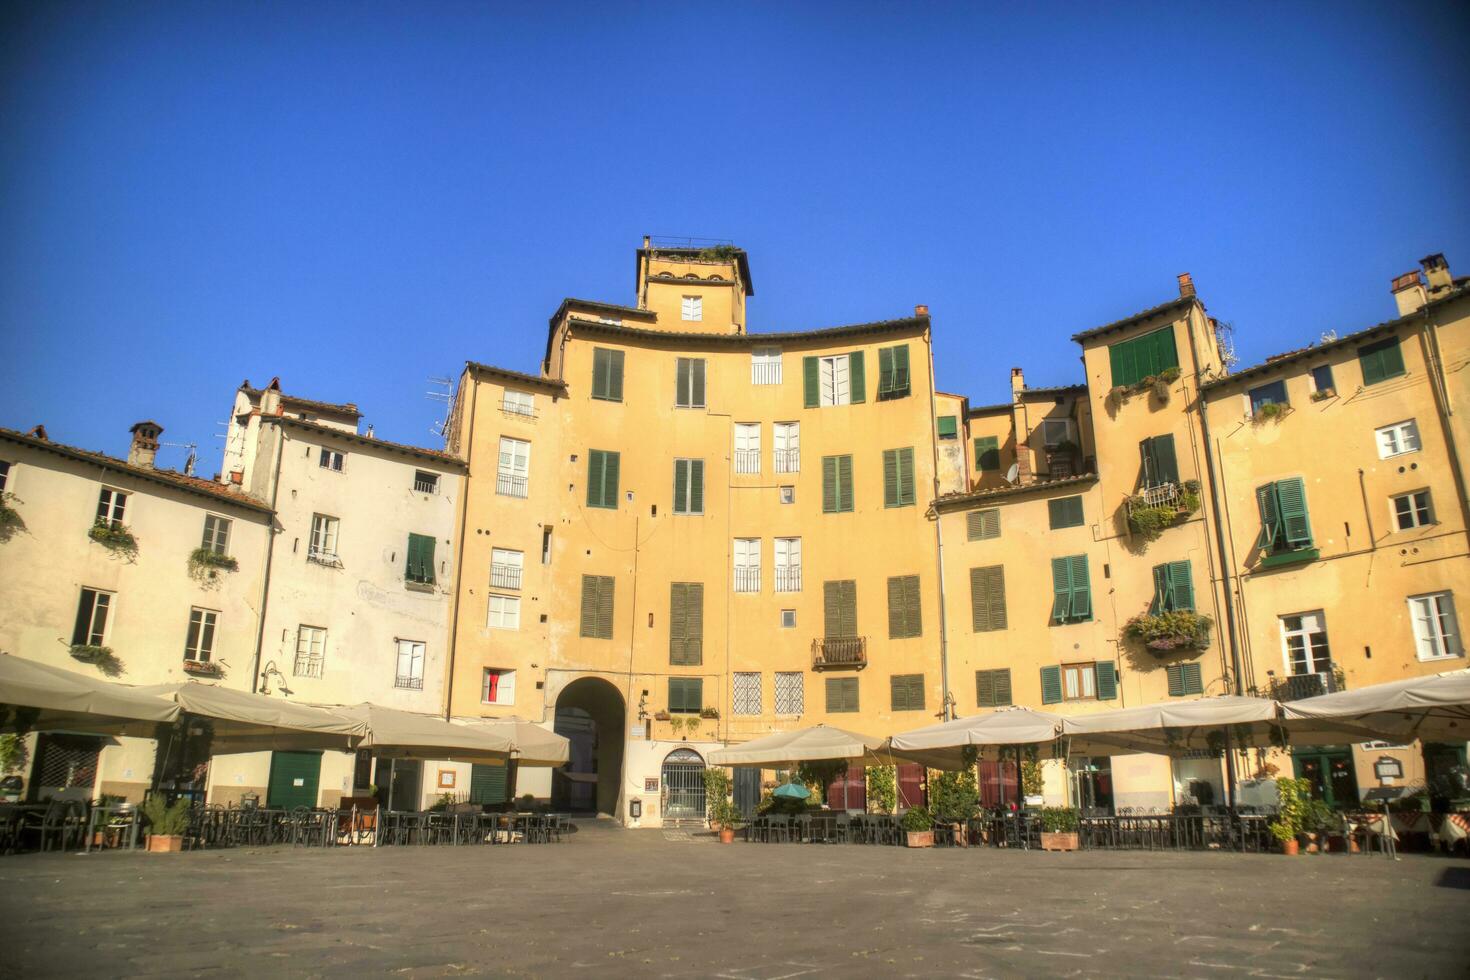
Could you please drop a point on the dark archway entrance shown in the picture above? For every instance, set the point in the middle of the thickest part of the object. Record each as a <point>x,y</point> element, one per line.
<point>590,712</point>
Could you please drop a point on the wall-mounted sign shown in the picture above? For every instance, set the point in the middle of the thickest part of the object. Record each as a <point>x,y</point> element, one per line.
<point>650,785</point>
<point>446,778</point>
<point>1388,768</point>
<point>637,732</point>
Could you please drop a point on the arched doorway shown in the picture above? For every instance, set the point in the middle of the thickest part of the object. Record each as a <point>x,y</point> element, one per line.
<point>589,712</point>
<point>683,785</point>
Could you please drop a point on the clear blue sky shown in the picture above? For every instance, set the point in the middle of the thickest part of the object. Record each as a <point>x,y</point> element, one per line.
<point>357,196</point>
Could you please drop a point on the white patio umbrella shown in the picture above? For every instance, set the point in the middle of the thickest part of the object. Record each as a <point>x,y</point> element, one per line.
<point>531,745</point>
<point>46,698</point>
<point>1174,727</point>
<point>942,746</point>
<point>246,722</point>
<point>395,734</point>
<point>1435,708</point>
<point>785,750</point>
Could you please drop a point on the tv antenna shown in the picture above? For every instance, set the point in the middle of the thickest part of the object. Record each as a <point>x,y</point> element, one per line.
<point>440,390</point>
<point>189,460</point>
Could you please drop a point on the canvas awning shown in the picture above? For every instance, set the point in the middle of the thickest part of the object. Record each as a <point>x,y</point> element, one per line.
<point>1174,727</point>
<point>531,744</point>
<point>1435,708</point>
<point>45,698</point>
<point>942,746</point>
<point>395,734</point>
<point>785,750</point>
<point>246,722</point>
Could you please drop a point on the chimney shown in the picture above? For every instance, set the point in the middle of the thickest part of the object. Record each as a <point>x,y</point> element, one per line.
<point>270,398</point>
<point>39,432</point>
<point>1408,292</point>
<point>145,444</point>
<point>1437,274</point>
<point>1018,426</point>
<point>1186,285</point>
<point>1018,384</point>
<point>646,241</point>
<point>921,310</point>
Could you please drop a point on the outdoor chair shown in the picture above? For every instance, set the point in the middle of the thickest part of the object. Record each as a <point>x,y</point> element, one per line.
<point>842,829</point>
<point>801,828</point>
<point>779,828</point>
<point>554,826</point>
<point>60,825</point>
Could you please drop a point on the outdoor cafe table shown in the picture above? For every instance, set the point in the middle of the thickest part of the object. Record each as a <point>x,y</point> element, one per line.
<point>13,822</point>
<point>108,817</point>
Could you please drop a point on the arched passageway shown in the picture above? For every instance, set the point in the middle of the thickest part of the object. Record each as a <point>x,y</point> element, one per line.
<point>682,780</point>
<point>590,712</point>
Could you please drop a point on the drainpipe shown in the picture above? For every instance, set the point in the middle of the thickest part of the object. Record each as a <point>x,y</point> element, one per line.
<point>464,509</point>
<point>1442,402</point>
<point>944,702</point>
<point>270,550</point>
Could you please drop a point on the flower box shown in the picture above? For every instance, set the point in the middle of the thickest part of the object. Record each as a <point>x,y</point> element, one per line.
<point>1060,841</point>
<point>201,668</point>
<point>918,838</point>
<point>165,843</point>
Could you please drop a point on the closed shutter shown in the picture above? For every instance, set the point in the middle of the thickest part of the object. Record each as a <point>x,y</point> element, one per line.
<point>688,486</point>
<point>903,607</point>
<point>698,383</point>
<point>1051,685</point>
<point>420,566</point>
<point>988,598</point>
<point>1381,361</point>
<point>1065,512</point>
<point>1071,590</point>
<point>906,495</point>
<point>597,606</point>
<point>615,377</point>
<point>839,608</point>
<point>607,374</point>
<point>1107,680</point>
<point>682,395</point>
<point>1081,589</point>
<point>891,478</point>
<point>857,378</point>
<point>844,484</point>
<point>686,623</point>
<point>993,688</point>
<point>949,427</point>
<point>1184,679</point>
<point>602,478</point>
<point>1270,517</point>
<point>1291,498</point>
<point>681,486</point>
<point>487,784</point>
<point>906,692</point>
<point>1181,586</point>
<point>696,486</point>
<point>686,695</point>
<point>987,454</point>
<point>842,695</point>
<point>294,778</point>
<point>811,381</point>
<point>1123,359</point>
<point>836,484</point>
<point>1163,352</point>
<point>981,525</point>
<point>1160,465</point>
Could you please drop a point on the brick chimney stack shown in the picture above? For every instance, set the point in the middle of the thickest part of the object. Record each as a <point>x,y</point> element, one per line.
<point>144,449</point>
<point>921,310</point>
<point>1186,285</point>
<point>1021,425</point>
<point>1408,292</point>
<point>1437,274</point>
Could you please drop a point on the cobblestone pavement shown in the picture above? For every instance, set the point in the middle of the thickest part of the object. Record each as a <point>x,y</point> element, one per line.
<point>610,902</point>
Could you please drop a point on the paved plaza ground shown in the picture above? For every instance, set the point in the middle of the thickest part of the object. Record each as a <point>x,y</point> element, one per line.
<point>610,902</point>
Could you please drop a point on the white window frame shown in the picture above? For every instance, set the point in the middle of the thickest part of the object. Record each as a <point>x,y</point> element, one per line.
<point>1047,425</point>
<point>5,467</point>
<point>102,600</point>
<point>219,541</point>
<point>765,366</point>
<point>513,468</point>
<point>788,564</point>
<point>311,649</point>
<point>787,494</point>
<point>1436,626</point>
<point>507,568</point>
<point>322,545</point>
<point>834,386</point>
<point>112,506</point>
<point>791,684</point>
<point>502,612</point>
<point>1420,512</point>
<point>331,459</point>
<point>786,446</point>
<point>1313,622</point>
<point>748,448</point>
<point>515,402</point>
<point>505,691</point>
<point>747,571</point>
<point>200,651</point>
<point>788,619</point>
<point>691,309</point>
<point>413,651</point>
<point>745,694</point>
<point>1398,439</point>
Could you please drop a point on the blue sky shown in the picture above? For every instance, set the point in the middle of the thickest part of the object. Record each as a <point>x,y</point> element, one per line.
<point>359,196</point>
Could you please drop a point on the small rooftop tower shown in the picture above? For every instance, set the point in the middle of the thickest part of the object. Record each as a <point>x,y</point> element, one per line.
<point>695,285</point>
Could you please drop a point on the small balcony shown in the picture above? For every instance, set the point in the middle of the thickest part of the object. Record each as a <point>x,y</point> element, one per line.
<point>1298,687</point>
<point>409,682</point>
<point>510,485</point>
<point>1163,495</point>
<point>748,461</point>
<point>307,665</point>
<point>839,653</point>
<point>747,578</point>
<point>504,576</point>
<point>787,460</point>
<point>788,578</point>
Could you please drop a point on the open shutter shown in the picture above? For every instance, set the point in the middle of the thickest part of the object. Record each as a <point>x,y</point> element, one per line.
<point>1081,589</point>
<point>901,369</point>
<point>1107,680</point>
<point>1291,498</point>
<point>885,371</point>
<point>1051,685</point>
<point>857,377</point>
<point>987,454</point>
<point>1181,586</point>
<point>829,485</point>
<point>1270,518</point>
<point>844,483</point>
<point>1061,587</point>
<point>890,478</point>
<point>696,486</point>
<point>681,486</point>
<point>811,381</point>
<point>1160,464</point>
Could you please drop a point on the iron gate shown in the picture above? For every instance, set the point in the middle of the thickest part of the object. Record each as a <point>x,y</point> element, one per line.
<point>66,763</point>
<point>683,784</point>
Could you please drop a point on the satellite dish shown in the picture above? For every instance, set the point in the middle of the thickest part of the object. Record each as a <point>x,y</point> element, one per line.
<point>1013,472</point>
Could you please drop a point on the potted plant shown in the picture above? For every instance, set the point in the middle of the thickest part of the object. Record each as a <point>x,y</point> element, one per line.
<point>166,824</point>
<point>954,800</point>
<point>723,817</point>
<point>1293,795</point>
<point>1318,819</point>
<point>709,712</point>
<point>1170,630</point>
<point>205,564</point>
<point>115,538</point>
<point>1269,412</point>
<point>918,827</point>
<point>1059,829</point>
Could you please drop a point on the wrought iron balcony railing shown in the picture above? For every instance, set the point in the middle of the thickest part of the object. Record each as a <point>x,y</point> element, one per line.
<point>1296,687</point>
<point>510,485</point>
<point>788,460</point>
<point>839,651</point>
<point>504,576</point>
<point>788,578</point>
<point>747,461</point>
<point>747,578</point>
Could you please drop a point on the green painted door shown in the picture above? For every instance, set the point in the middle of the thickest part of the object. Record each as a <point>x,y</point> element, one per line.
<point>294,778</point>
<point>1331,775</point>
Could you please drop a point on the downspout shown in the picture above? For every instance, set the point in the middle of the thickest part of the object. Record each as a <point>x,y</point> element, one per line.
<point>270,550</point>
<point>464,509</point>
<point>944,702</point>
<point>1442,402</point>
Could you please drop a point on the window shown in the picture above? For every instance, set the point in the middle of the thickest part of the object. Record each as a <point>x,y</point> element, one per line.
<point>788,564</point>
<point>1071,592</point>
<point>842,695</point>
<point>906,692</point>
<point>747,564</point>
<point>1436,630</point>
<point>746,693</point>
<point>602,478</point>
<point>420,566</point>
<point>765,366</point>
<point>837,379</point>
<point>112,505</point>
<point>1271,393</point>
<point>747,447</point>
<point>330,459</point>
<point>993,688</point>
<point>323,546</point>
<point>949,427</point>
<point>546,546</point>
<point>1381,361</point>
<point>597,606</point>
<point>987,454</point>
<point>1304,643</point>
<point>988,599</point>
<point>199,644</point>
<point>788,619</point>
<point>893,372</point>
<point>1322,379</point>
<point>1065,512</point>
<point>1054,432</point>
<point>788,495</point>
<point>503,612</point>
<point>425,482</point>
<point>607,374</point>
<point>836,484</point>
<point>410,672</point>
<point>518,403</point>
<point>982,525</point>
<point>216,534</point>
<point>790,692</point>
<point>1090,681</point>
<point>506,567</point>
<point>692,308</point>
<point>686,623</point>
<point>1411,510</point>
<point>898,477</point>
<point>1160,466</point>
<point>1397,439</point>
<point>839,609</point>
<point>905,619</point>
<point>1143,357</point>
<point>4,475</point>
<point>1184,679</point>
<point>514,469</point>
<point>498,686</point>
<point>689,383</point>
<point>1285,524</point>
<point>92,615</point>
<point>787,438</point>
<point>311,651</point>
<point>688,486</point>
<point>1173,588</point>
<point>686,695</point>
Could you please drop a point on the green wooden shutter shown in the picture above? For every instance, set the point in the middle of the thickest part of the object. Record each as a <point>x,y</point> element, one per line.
<point>678,622</point>
<point>686,695</point>
<point>589,606</point>
<point>487,784</point>
<point>1123,359</point>
<point>605,606</point>
<point>1381,361</point>
<point>949,427</point>
<point>696,382</point>
<point>420,565</point>
<point>1181,586</point>
<point>906,494</point>
<point>839,608</point>
<point>597,606</point>
<point>829,485</point>
<point>1051,685</point>
<point>987,599</point>
<point>811,381</point>
<point>844,484</point>
<point>1291,497</point>
<point>906,692</point>
<point>686,623</point>
<point>696,486</point>
<point>1165,354</point>
<point>842,695</point>
<point>987,454</point>
<point>1191,680</point>
<point>981,525</point>
<point>984,688</point>
<point>857,378</point>
<point>890,478</point>
<point>901,370</point>
<point>885,372</point>
<point>681,383</point>
<point>1107,680</point>
<point>1061,587</point>
<point>1160,464</point>
<point>1175,675</point>
<point>681,486</point>
<point>597,467</point>
<point>1270,517</point>
<point>1002,686</point>
<point>615,377</point>
<point>610,480</point>
<point>600,370</point>
<point>1081,589</point>
<point>904,615</point>
<point>1064,512</point>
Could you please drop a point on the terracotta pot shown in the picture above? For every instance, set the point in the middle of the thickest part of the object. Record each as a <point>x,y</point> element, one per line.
<point>1353,846</point>
<point>164,843</point>
<point>1290,848</point>
<point>1060,841</point>
<point>727,835</point>
<point>919,838</point>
